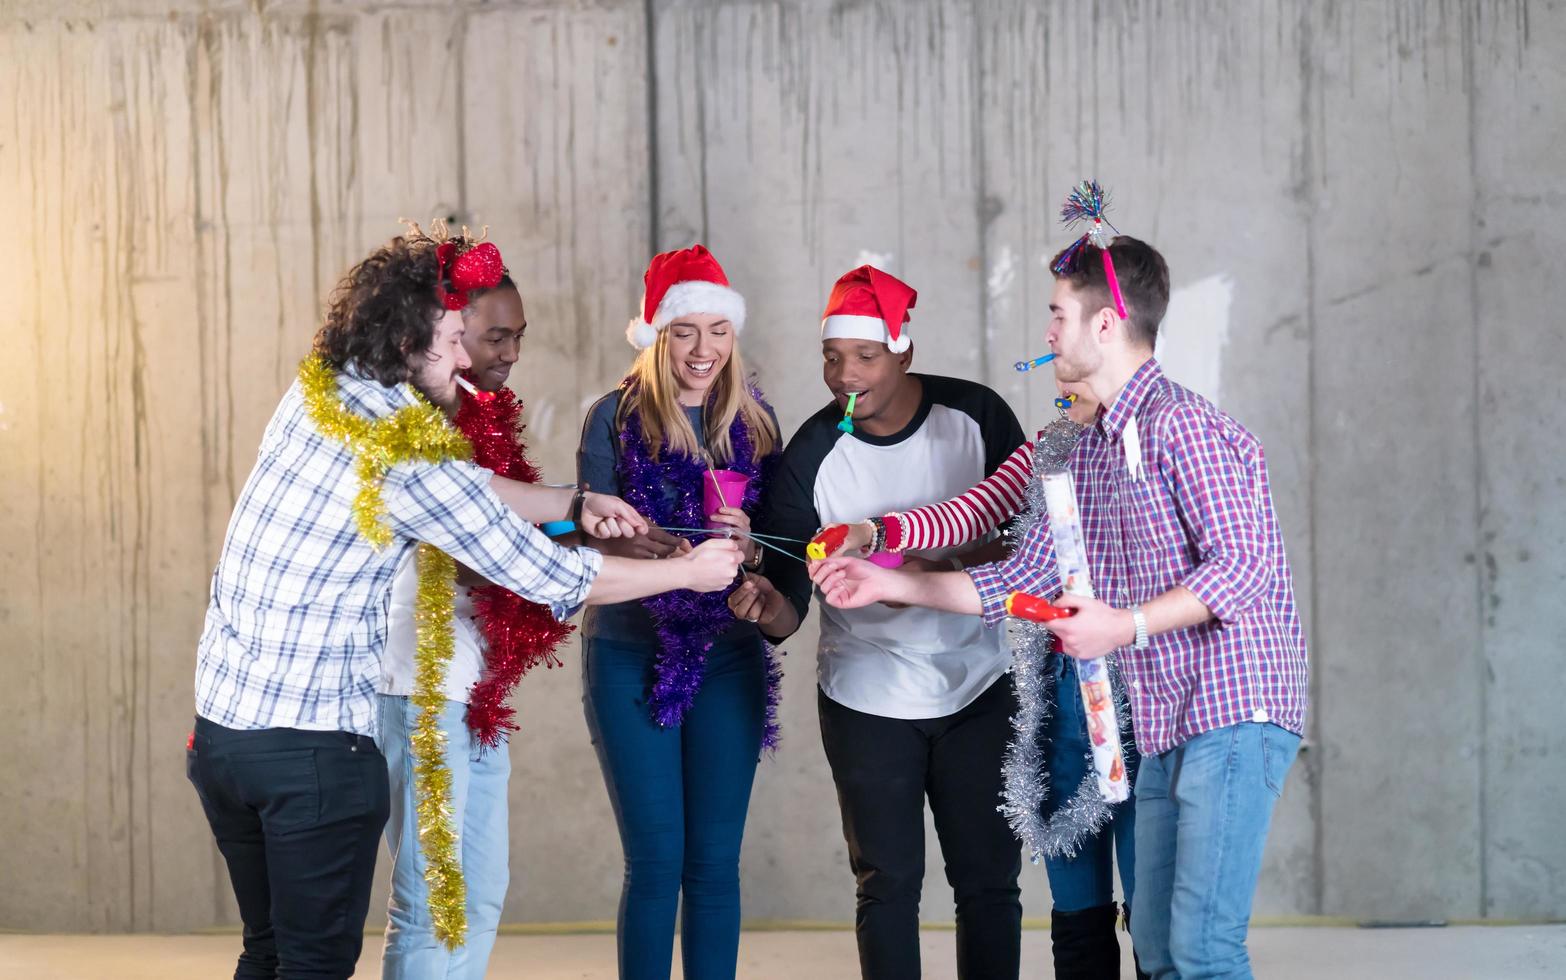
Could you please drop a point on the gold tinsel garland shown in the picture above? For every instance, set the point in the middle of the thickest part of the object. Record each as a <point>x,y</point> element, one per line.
<point>432,611</point>
<point>417,433</point>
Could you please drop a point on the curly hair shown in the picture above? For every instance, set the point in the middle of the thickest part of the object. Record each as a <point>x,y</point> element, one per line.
<point>383,312</point>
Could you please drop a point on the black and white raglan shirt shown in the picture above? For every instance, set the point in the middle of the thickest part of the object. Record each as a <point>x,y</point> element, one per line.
<point>896,663</point>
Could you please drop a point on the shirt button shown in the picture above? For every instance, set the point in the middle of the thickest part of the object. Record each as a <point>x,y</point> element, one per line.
<point>1260,716</point>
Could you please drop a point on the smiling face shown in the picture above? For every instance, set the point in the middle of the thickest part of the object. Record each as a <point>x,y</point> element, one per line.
<point>433,372</point>
<point>698,347</point>
<point>495,324</point>
<point>868,368</point>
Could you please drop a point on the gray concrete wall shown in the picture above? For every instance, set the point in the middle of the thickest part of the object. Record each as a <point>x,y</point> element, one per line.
<point>1359,203</point>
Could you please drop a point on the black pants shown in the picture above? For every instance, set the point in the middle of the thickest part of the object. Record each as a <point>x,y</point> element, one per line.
<point>298,817</point>
<point>884,768</point>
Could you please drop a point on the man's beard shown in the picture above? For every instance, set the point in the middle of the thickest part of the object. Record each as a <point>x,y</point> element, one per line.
<point>439,396</point>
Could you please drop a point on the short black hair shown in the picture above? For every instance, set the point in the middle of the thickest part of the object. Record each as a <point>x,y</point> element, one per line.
<point>506,282</point>
<point>1143,276</point>
<point>383,312</point>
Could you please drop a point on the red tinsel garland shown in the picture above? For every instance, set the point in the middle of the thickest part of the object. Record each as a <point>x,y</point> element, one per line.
<point>518,635</point>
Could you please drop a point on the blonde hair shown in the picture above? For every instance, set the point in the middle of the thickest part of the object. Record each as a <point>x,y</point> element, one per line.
<point>653,392</point>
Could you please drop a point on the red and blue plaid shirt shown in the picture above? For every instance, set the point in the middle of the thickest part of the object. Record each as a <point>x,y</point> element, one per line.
<point>1200,515</point>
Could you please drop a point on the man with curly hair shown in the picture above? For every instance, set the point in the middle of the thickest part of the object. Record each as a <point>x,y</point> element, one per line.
<point>283,754</point>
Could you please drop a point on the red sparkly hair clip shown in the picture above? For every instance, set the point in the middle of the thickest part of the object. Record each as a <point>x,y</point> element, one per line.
<point>472,264</point>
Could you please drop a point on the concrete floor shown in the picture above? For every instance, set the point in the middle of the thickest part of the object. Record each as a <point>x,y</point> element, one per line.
<point>1454,953</point>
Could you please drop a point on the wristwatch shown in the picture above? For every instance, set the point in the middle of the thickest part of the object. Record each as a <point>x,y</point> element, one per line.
<point>1140,620</point>
<point>577,500</point>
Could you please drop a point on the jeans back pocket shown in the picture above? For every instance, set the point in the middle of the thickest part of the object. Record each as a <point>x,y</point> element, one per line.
<point>284,787</point>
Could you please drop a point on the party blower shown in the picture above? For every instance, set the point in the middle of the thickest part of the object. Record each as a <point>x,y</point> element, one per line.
<point>483,397</point>
<point>1040,361</point>
<point>847,425</point>
<point>829,540</point>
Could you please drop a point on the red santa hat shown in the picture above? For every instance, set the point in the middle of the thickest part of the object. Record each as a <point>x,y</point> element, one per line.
<point>678,284</point>
<point>868,304</point>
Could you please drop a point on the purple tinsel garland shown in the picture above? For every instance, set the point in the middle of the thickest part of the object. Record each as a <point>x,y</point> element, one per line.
<point>688,622</point>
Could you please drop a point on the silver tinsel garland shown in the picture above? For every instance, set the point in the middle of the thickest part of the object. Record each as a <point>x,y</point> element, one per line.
<point>1027,783</point>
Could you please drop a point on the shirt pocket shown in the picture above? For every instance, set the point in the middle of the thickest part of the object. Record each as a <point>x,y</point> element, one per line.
<point>1152,524</point>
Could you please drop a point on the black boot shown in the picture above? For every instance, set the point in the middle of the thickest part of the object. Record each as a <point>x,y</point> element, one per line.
<point>1084,943</point>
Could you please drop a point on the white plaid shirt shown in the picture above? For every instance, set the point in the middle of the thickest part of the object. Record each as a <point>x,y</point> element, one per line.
<point>297,619</point>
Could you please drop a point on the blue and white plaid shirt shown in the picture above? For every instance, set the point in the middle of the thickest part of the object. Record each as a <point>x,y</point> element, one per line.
<point>297,619</point>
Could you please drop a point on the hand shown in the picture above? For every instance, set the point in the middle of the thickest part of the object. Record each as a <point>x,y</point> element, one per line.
<point>852,583</point>
<point>604,516</point>
<point>757,600</point>
<point>711,565</point>
<point>739,521</point>
<point>1096,629</point>
<point>655,543</point>
<point>857,540</point>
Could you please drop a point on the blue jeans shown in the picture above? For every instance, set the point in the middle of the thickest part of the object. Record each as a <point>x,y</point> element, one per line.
<point>478,809</point>
<point>680,796</point>
<point>1086,880</point>
<point>1202,812</point>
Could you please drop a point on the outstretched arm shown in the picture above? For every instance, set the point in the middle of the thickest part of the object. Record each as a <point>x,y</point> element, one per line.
<point>850,583</point>
<point>711,566</point>
<point>966,517</point>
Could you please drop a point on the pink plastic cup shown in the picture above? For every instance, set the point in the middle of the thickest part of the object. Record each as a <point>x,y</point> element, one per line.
<point>733,486</point>
<point>887,559</point>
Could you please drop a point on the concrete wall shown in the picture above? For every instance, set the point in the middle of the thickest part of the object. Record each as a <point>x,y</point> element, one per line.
<point>1359,203</point>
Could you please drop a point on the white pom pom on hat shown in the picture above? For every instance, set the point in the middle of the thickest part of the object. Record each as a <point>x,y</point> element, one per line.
<point>868,304</point>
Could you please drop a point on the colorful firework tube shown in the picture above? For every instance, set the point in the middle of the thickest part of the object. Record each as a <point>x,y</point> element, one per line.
<point>1033,609</point>
<point>1036,362</point>
<point>827,542</point>
<point>484,397</point>
<point>1098,701</point>
<point>847,425</point>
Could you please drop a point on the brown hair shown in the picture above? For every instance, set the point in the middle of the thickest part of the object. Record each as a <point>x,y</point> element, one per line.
<point>1144,283</point>
<point>383,312</point>
<point>655,394</point>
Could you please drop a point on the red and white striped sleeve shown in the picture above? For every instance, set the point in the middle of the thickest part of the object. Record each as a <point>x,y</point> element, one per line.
<point>969,516</point>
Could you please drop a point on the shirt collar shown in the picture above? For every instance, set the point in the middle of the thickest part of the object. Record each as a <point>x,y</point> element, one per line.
<point>1112,421</point>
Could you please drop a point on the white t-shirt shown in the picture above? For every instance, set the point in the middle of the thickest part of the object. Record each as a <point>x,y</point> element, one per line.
<point>896,663</point>
<point>397,666</point>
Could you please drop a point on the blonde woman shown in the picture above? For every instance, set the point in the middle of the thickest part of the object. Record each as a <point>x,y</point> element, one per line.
<point>679,694</point>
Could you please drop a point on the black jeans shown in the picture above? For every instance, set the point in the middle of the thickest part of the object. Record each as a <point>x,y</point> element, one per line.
<point>884,768</point>
<point>298,817</point>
